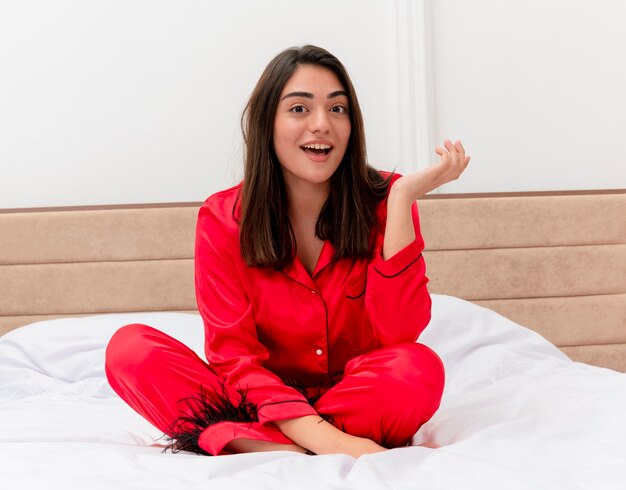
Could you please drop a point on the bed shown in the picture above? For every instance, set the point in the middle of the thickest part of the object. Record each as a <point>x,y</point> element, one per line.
<point>529,317</point>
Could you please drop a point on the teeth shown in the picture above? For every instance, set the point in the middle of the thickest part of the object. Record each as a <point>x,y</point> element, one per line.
<point>317,146</point>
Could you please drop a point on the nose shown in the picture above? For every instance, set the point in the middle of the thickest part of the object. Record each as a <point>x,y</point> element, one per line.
<point>319,121</point>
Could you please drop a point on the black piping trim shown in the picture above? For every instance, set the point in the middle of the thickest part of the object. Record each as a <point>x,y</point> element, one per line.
<point>357,297</point>
<point>398,273</point>
<point>278,403</point>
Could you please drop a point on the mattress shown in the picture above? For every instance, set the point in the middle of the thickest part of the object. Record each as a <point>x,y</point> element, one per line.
<point>517,413</point>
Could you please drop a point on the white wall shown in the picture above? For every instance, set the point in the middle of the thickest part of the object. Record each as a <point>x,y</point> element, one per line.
<point>105,102</point>
<point>536,89</point>
<point>139,101</point>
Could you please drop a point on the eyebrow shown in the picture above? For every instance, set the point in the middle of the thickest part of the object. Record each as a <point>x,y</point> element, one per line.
<point>309,95</point>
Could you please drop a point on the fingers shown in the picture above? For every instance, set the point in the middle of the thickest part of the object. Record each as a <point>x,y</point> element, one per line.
<point>450,167</point>
<point>459,147</point>
<point>441,151</point>
<point>444,163</point>
<point>453,160</point>
<point>455,150</point>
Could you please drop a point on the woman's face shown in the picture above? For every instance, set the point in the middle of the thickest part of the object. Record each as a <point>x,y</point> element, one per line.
<point>312,127</point>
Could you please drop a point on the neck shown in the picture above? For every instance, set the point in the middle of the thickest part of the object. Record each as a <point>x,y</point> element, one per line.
<point>306,201</point>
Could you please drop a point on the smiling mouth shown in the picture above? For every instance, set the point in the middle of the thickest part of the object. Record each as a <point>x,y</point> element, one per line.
<point>317,149</point>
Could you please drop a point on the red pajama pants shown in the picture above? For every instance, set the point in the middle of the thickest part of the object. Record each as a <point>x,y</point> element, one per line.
<point>384,395</point>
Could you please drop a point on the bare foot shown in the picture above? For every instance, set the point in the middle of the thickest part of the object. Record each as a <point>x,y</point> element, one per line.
<point>254,446</point>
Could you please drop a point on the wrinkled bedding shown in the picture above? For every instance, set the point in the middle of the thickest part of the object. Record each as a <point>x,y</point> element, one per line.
<point>516,413</point>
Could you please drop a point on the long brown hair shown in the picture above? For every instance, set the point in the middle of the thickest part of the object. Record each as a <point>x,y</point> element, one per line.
<point>349,214</point>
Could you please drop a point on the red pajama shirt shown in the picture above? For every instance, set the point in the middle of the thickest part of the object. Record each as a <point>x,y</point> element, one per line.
<point>344,335</point>
<point>266,327</point>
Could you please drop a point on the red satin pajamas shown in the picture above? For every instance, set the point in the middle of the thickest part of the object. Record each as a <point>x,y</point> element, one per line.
<point>346,333</point>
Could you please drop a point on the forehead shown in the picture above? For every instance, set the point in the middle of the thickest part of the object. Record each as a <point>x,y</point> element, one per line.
<point>313,79</point>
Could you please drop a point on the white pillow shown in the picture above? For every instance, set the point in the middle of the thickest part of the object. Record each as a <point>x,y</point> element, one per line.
<point>67,354</point>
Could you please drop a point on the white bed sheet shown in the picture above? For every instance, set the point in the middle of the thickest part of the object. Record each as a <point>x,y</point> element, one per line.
<point>516,414</point>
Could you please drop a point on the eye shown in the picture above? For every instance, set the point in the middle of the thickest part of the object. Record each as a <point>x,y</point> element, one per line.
<point>339,109</point>
<point>298,109</point>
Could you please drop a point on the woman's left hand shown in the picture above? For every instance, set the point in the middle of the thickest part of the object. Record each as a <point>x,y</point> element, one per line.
<point>406,190</point>
<point>452,164</point>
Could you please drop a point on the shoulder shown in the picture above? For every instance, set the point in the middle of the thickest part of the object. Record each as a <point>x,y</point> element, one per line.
<point>381,210</point>
<point>221,210</point>
<point>385,174</point>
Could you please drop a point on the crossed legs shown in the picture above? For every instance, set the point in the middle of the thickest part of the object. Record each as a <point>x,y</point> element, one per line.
<point>385,395</point>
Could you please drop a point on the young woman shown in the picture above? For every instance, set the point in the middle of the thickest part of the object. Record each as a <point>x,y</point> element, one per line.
<point>311,283</point>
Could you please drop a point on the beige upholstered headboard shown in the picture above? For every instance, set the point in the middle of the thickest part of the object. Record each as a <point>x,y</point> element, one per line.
<point>554,262</point>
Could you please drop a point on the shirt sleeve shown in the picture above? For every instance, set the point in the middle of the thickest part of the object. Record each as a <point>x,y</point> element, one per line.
<point>232,346</point>
<point>396,295</point>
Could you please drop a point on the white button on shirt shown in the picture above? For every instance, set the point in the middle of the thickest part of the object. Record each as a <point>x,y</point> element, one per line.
<point>318,352</point>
